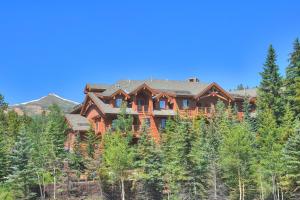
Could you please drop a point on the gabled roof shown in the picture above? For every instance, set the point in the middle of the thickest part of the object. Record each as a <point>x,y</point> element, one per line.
<point>77,122</point>
<point>106,108</point>
<point>216,86</point>
<point>178,88</point>
<point>143,87</point>
<point>120,92</point>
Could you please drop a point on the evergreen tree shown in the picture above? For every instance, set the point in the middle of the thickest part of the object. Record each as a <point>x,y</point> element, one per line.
<point>76,158</point>
<point>149,161</point>
<point>269,154</point>
<point>22,169</point>
<point>56,130</point>
<point>199,157</point>
<point>292,82</point>
<point>292,160</point>
<point>4,159</point>
<point>91,141</point>
<point>176,165</point>
<point>286,128</point>
<point>269,91</point>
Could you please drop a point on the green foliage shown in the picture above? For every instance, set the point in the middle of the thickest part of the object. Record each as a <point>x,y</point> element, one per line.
<point>269,90</point>
<point>55,129</point>
<point>149,162</point>
<point>177,143</point>
<point>22,169</point>
<point>76,159</point>
<point>292,81</point>
<point>6,193</point>
<point>292,159</point>
<point>236,154</point>
<point>91,141</point>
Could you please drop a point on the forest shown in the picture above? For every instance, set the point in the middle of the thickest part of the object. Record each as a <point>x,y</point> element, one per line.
<point>217,157</point>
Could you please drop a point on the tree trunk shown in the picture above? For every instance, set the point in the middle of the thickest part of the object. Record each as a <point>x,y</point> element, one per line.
<point>215,180</point>
<point>122,188</point>
<point>243,190</point>
<point>40,185</point>
<point>54,183</point>
<point>274,188</point>
<point>240,183</point>
<point>261,189</point>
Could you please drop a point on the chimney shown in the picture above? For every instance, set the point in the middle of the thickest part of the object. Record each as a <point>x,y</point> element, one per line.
<point>193,80</point>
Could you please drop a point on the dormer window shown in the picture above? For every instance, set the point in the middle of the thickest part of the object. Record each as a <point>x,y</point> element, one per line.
<point>185,103</point>
<point>118,102</point>
<point>162,104</point>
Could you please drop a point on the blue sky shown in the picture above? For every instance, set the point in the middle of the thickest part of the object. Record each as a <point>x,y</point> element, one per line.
<point>59,46</point>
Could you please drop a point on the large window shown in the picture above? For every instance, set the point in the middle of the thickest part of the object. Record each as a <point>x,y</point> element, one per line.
<point>163,123</point>
<point>162,104</point>
<point>185,103</point>
<point>118,102</point>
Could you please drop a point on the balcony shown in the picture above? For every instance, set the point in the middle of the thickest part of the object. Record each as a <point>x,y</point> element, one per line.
<point>143,108</point>
<point>208,111</point>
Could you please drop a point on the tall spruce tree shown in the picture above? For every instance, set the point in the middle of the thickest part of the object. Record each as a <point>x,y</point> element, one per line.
<point>149,161</point>
<point>176,164</point>
<point>292,81</point>
<point>22,176</point>
<point>270,88</point>
<point>292,162</point>
<point>269,155</point>
<point>56,129</point>
<point>199,157</point>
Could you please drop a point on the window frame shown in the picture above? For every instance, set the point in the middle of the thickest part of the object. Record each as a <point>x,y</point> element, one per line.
<point>118,100</point>
<point>164,103</point>
<point>187,103</point>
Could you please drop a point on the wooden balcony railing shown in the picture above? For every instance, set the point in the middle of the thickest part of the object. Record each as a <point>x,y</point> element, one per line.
<point>197,111</point>
<point>143,108</point>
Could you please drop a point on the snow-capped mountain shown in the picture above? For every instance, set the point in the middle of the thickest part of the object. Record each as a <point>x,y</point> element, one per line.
<point>37,106</point>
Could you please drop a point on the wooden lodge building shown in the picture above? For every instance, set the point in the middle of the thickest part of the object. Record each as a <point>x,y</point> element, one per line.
<point>150,102</point>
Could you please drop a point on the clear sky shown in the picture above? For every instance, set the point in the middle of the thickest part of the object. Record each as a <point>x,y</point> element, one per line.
<point>59,46</point>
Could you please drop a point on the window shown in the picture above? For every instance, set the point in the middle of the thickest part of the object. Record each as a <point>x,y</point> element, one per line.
<point>147,122</point>
<point>140,102</point>
<point>163,123</point>
<point>162,104</point>
<point>118,103</point>
<point>185,103</point>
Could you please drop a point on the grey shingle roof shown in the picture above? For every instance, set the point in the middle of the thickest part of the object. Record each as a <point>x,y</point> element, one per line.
<point>77,122</point>
<point>172,86</point>
<point>241,93</point>
<point>106,108</point>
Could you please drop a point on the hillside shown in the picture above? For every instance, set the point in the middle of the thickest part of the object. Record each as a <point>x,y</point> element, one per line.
<point>37,106</point>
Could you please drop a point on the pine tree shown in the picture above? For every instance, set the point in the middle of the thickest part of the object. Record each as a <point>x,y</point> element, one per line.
<point>199,157</point>
<point>22,175</point>
<point>292,82</point>
<point>269,154</point>
<point>56,129</point>
<point>292,160</point>
<point>91,141</point>
<point>4,159</point>
<point>269,91</point>
<point>286,128</point>
<point>149,161</point>
<point>76,158</point>
<point>177,144</point>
